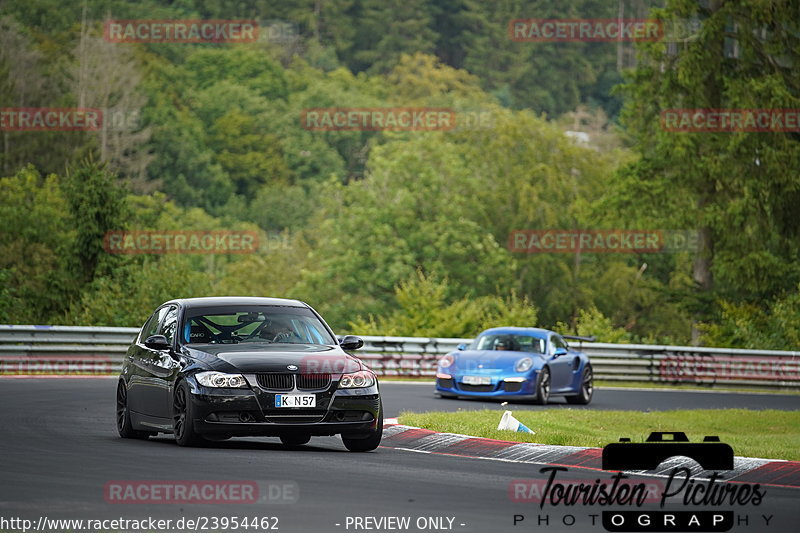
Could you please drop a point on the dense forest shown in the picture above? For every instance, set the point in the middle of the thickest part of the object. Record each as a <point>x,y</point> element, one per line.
<point>406,231</point>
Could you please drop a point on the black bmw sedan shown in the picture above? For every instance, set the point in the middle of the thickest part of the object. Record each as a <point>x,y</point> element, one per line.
<point>209,369</point>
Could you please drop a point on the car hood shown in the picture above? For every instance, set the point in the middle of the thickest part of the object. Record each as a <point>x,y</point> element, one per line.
<point>487,360</point>
<point>264,357</point>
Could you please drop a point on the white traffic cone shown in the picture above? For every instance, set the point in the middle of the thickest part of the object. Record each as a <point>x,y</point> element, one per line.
<point>509,423</point>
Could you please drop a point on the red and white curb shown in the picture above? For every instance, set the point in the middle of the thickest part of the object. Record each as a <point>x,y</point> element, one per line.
<point>745,469</point>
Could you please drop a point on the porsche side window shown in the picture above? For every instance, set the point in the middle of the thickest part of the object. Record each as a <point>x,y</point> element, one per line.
<point>170,324</point>
<point>531,344</point>
<point>557,342</point>
<point>485,342</point>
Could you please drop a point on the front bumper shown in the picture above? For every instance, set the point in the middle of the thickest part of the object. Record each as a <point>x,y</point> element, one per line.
<point>499,388</point>
<point>251,412</point>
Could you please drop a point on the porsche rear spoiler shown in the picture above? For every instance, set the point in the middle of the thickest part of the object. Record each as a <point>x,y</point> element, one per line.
<point>579,338</point>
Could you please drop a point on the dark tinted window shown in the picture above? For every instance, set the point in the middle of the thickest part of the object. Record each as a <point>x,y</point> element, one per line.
<point>169,324</point>
<point>151,326</point>
<point>256,324</point>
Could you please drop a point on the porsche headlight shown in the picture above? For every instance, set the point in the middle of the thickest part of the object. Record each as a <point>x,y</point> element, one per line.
<point>357,380</point>
<point>524,364</point>
<point>447,361</point>
<point>221,380</point>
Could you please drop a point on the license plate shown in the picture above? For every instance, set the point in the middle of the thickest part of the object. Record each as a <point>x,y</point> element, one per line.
<point>476,380</point>
<point>295,400</point>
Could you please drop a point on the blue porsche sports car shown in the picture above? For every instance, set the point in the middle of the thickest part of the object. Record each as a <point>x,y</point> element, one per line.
<point>517,363</point>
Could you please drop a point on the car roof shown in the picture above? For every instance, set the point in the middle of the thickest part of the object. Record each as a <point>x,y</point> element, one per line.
<point>509,330</point>
<point>215,301</point>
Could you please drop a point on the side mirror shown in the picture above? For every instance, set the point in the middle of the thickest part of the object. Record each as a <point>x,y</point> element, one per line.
<point>351,342</point>
<point>559,352</point>
<point>157,342</point>
<point>461,347</point>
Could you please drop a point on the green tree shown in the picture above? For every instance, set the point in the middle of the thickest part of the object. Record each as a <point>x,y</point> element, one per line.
<point>30,76</point>
<point>591,322</point>
<point>775,326</point>
<point>128,295</point>
<point>96,204</point>
<point>183,164</point>
<point>35,246</point>
<point>436,202</point>
<point>740,190</point>
<point>423,310</point>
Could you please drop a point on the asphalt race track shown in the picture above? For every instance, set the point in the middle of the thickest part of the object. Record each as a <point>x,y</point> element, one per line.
<point>60,448</point>
<point>419,397</point>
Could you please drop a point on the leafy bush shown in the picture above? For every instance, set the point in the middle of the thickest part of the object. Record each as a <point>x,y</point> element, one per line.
<point>423,311</point>
<point>745,325</point>
<point>592,322</point>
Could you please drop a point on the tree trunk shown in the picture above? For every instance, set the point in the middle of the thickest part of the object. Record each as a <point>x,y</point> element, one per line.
<point>701,270</point>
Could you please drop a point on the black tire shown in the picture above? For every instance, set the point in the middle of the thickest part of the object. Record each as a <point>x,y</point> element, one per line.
<point>183,418</point>
<point>124,426</point>
<point>368,443</point>
<point>295,440</point>
<point>542,387</point>
<point>587,389</point>
<point>446,396</point>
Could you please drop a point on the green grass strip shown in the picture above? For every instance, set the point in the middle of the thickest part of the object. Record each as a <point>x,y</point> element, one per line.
<point>768,434</point>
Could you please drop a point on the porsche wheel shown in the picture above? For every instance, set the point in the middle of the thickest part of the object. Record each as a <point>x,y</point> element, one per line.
<point>587,389</point>
<point>542,387</point>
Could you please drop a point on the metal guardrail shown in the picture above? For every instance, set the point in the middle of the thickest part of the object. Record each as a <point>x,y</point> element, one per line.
<point>26,350</point>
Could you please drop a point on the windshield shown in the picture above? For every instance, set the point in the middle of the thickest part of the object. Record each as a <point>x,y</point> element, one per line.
<point>504,341</point>
<point>264,324</point>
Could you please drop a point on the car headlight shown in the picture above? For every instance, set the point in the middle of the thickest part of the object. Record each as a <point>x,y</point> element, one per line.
<point>447,361</point>
<point>524,364</point>
<point>221,380</point>
<point>357,380</point>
